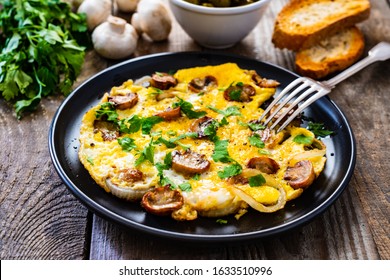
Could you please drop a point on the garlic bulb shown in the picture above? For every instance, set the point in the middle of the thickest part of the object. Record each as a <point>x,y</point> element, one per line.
<point>153,19</point>
<point>97,11</point>
<point>115,38</point>
<point>127,5</point>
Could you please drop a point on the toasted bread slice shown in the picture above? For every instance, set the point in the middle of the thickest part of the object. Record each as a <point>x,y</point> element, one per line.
<point>331,54</point>
<point>303,23</point>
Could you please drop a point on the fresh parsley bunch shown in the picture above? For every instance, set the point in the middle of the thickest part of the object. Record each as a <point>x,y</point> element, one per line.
<point>40,54</point>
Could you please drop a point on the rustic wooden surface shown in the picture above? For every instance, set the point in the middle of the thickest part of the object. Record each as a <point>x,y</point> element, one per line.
<point>40,218</point>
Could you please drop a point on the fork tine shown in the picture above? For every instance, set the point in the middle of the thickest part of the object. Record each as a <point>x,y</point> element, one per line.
<point>280,95</point>
<point>305,94</point>
<point>281,105</point>
<point>322,92</point>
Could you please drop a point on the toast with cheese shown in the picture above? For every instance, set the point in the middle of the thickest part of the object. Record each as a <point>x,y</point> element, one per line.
<point>331,54</point>
<point>303,23</point>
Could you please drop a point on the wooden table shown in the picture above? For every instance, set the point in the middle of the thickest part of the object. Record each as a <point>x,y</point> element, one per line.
<point>41,219</point>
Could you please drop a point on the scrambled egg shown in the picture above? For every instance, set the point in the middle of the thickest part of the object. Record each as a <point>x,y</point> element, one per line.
<point>230,184</point>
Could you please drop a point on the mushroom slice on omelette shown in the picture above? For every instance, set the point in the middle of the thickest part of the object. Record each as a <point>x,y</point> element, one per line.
<point>189,145</point>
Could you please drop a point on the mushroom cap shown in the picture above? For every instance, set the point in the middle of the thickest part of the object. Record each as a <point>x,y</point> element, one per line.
<point>115,38</point>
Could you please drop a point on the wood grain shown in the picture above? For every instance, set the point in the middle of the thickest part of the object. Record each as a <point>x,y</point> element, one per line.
<point>41,219</point>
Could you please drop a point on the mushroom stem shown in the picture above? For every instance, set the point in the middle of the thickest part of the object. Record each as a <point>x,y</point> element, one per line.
<point>116,24</point>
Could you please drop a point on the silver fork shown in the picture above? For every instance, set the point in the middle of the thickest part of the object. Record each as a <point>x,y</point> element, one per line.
<point>312,90</point>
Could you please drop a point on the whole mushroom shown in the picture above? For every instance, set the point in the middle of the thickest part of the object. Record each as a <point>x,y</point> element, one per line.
<point>115,38</point>
<point>153,19</point>
<point>127,6</point>
<point>97,11</point>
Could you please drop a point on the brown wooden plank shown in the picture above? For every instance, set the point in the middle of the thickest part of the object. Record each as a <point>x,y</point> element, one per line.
<point>40,218</point>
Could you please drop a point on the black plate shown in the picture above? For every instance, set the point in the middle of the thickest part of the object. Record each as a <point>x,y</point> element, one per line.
<point>64,143</point>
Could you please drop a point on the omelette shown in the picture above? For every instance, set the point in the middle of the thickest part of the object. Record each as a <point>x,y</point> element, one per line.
<point>189,144</point>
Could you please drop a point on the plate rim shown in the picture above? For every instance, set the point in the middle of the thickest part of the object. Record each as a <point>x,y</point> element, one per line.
<point>108,214</point>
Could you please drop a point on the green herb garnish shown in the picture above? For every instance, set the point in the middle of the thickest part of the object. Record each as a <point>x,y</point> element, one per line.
<point>319,129</point>
<point>255,140</point>
<point>41,52</point>
<point>229,111</point>
<point>146,154</point>
<point>230,171</point>
<point>127,144</point>
<point>257,181</point>
<point>187,109</point>
<point>303,139</point>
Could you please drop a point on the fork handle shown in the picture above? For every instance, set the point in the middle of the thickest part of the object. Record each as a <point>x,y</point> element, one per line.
<point>380,52</point>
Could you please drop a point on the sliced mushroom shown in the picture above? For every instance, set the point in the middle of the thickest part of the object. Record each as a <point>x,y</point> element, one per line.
<point>238,179</point>
<point>163,81</point>
<point>198,84</point>
<point>123,102</point>
<point>241,93</point>
<point>170,114</point>
<point>130,175</point>
<point>189,162</point>
<point>200,125</point>
<point>263,82</point>
<point>109,130</point>
<point>264,164</point>
<point>162,201</point>
<point>301,175</point>
<point>270,138</point>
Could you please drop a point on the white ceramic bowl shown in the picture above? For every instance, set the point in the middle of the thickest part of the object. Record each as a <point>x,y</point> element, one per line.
<point>217,28</point>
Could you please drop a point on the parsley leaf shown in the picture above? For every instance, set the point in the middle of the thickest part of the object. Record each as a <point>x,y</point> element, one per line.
<point>127,144</point>
<point>303,139</point>
<point>255,140</point>
<point>130,125</point>
<point>221,221</point>
<point>146,154</point>
<point>256,181</point>
<point>229,111</point>
<point>187,109</point>
<point>230,171</point>
<point>107,110</point>
<point>319,129</point>
<point>221,153</point>
<point>252,125</point>
<point>185,187</point>
<point>149,122</point>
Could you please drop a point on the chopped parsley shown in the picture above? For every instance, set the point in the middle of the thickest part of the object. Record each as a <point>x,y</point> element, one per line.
<point>252,125</point>
<point>185,187</point>
<point>149,122</point>
<point>319,129</point>
<point>221,153</point>
<point>229,111</point>
<point>221,221</point>
<point>146,154</point>
<point>303,139</point>
<point>107,110</point>
<point>256,181</point>
<point>130,125</point>
<point>127,144</point>
<point>230,171</point>
<point>255,140</point>
<point>187,109</point>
